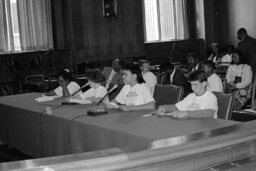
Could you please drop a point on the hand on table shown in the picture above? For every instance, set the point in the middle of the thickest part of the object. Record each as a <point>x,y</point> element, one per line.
<point>178,114</point>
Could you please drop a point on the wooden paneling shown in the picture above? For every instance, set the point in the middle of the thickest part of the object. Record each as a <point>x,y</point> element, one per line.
<point>94,37</point>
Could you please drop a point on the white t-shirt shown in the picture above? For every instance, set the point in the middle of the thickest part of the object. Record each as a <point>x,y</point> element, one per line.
<point>192,102</point>
<point>136,95</point>
<point>72,87</point>
<point>150,80</point>
<point>94,92</point>
<point>226,60</point>
<point>214,83</point>
<point>242,70</point>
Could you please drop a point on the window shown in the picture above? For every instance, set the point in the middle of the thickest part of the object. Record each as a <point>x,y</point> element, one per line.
<point>15,25</point>
<point>25,25</point>
<point>165,20</point>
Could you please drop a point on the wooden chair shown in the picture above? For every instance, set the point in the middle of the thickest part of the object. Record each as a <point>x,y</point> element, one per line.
<point>167,94</point>
<point>225,105</point>
<point>34,83</point>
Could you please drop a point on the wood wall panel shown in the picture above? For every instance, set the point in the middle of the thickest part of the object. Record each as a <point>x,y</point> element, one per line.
<point>94,37</point>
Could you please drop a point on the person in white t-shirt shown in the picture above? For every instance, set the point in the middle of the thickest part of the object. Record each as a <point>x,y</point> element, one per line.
<point>148,76</point>
<point>135,95</point>
<point>214,82</point>
<point>97,91</point>
<point>200,103</point>
<point>67,87</point>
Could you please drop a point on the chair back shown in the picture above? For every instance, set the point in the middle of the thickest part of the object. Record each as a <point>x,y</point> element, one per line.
<point>113,95</point>
<point>167,94</point>
<point>225,105</point>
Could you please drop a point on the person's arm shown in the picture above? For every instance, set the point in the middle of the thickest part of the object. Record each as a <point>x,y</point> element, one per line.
<point>50,93</point>
<point>65,91</point>
<point>204,113</point>
<point>228,75</point>
<point>246,77</point>
<point>150,105</point>
<point>161,110</point>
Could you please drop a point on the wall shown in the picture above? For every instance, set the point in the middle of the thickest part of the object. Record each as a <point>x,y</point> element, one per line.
<point>80,25</point>
<point>237,14</point>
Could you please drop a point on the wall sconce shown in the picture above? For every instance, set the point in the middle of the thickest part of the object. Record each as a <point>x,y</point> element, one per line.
<point>109,8</point>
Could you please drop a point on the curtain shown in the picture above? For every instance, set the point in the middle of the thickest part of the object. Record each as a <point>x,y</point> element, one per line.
<point>165,20</point>
<point>6,33</point>
<point>35,24</point>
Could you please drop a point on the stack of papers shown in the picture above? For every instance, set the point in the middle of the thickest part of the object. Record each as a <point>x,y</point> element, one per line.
<point>80,101</point>
<point>46,98</point>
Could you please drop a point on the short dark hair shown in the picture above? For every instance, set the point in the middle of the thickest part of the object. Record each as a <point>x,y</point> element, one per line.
<point>144,61</point>
<point>165,66</point>
<point>209,64</point>
<point>242,30</point>
<point>241,56</point>
<point>135,69</point>
<point>194,55</point>
<point>198,75</point>
<point>65,74</point>
<point>96,76</point>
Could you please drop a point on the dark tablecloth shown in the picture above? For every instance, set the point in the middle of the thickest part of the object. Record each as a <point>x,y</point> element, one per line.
<point>25,125</point>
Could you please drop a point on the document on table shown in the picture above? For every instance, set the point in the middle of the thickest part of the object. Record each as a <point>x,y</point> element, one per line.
<point>80,101</point>
<point>44,98</point>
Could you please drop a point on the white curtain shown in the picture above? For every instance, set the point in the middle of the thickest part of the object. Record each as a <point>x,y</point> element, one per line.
<point>165,20</point>
<point>6,33</point>
<point>35,24</point>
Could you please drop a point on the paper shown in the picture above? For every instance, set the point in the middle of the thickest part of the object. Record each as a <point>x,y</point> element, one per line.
<point>250,110</point>
<point>80,101</point>
<point>45,98</point>
<point>113,105</point>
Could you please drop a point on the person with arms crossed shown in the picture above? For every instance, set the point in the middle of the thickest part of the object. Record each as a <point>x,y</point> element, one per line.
<point>200,103</point>
<point>135,95</point>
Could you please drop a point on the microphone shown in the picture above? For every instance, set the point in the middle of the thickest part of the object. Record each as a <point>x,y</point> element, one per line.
<point>101,112</point>
<point>80,88</point>
<point>110,91</point>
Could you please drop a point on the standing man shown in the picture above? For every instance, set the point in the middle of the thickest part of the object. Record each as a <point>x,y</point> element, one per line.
<point>247,45</point>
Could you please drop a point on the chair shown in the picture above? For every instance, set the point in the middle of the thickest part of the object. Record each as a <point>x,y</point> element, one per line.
<point>167,94</point>
<point>34,83</point>
<point>225,105</point>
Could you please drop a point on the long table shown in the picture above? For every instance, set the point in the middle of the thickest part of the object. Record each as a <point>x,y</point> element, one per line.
<point>25,125</point>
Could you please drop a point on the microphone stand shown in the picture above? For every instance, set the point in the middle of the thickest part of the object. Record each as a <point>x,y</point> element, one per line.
<point>95,112</point>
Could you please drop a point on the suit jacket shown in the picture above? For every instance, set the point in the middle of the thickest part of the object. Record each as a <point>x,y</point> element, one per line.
<point>248,47</point>
<point>117,78</point>
<point>179,79</point>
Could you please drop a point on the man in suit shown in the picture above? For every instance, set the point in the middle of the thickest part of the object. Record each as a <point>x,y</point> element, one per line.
<point>113,74</point>
<point>175,76</point>
<point>247,45</point>
<point>193,63</point>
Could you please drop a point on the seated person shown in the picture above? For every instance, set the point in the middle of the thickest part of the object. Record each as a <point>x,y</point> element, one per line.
<point>239,79</point>
<point>148,76</point>
<point>113,74</point>
<point>227,58</point>
<point>200,103</point>
<point>193,63</point>
<point>215,55</point>
<point>135,95</point>
<point>175,76</point>
<point>67,87</point>
<point>214,82</point>
<point>97,91</point>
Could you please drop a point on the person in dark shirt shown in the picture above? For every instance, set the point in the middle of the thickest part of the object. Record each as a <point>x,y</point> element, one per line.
<point>175,76</point>
<point>247,45</point>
